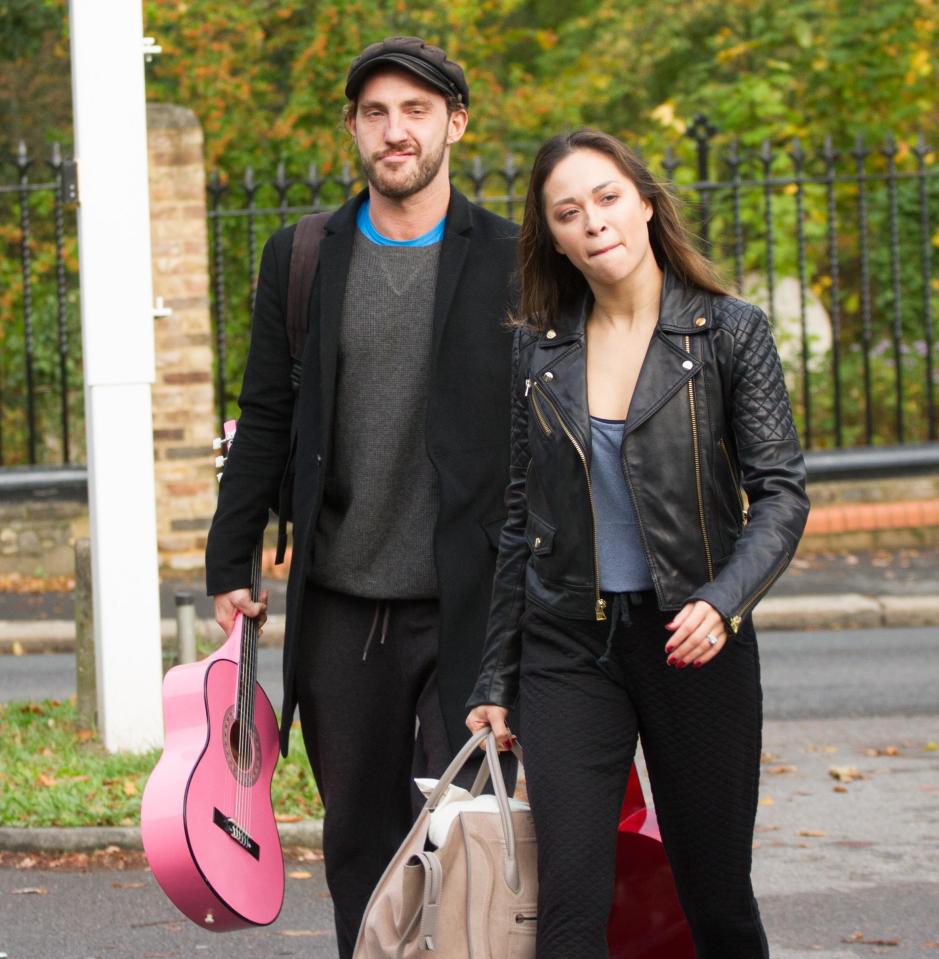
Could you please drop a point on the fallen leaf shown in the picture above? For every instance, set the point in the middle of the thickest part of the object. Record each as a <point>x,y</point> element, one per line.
<point>770,827</point>
<point>31,891</point>
<point>768,757</point>
<point>885,751</point>
<point>83,735</point>
<point>845,774</point>
<point>286,817</point>
<point>128,885</point>
<point>767,801</point>
<point>130,787</point>
<point>839,789</point>
<point>300,874</point>
<point>779,770</point>
<point>812,833</point>
<point>46,781</point>
<point>931,944</point>
<point>859,937</point>
<point>931,746</point>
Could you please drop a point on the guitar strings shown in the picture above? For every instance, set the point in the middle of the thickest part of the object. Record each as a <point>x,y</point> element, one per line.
<point>247,669</point>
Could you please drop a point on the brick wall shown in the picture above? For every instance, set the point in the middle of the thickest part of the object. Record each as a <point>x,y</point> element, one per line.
<point>184,419</point>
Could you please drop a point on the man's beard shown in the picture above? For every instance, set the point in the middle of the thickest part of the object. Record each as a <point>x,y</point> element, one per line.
<point>395,187</point>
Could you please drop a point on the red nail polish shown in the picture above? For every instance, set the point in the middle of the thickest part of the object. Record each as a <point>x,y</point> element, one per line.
<point>668,649</point>
<point>671,661</point>
<point>681,665</point>
<point>698,664</point>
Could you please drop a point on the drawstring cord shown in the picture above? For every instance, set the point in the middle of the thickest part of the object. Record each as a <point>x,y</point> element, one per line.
<point>618,613</point>
<point>384,626</point>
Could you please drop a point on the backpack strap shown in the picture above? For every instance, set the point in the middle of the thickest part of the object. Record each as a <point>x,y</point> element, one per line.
<point>304,258</point>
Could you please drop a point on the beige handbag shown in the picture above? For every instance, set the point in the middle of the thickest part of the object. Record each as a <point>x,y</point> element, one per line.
<point>473,898</point>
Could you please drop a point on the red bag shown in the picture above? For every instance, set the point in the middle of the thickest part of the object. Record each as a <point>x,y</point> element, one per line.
<point>646,921</point>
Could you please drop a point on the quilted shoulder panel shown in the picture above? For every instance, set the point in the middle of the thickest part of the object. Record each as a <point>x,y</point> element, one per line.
<point>761,408</point>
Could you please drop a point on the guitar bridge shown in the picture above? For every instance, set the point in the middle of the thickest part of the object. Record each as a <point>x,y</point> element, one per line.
<point>232,829</point>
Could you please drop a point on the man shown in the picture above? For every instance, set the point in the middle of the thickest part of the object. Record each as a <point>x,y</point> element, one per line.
<point>400,453</point>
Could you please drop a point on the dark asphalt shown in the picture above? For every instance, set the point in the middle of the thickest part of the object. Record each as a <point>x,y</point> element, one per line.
<point>812,675</point>
<point>910,572</point>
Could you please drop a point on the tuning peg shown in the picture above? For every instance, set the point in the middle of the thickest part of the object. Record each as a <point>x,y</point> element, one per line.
<point>218,476</point>
<point>217,443</point>
<point>219,462</point>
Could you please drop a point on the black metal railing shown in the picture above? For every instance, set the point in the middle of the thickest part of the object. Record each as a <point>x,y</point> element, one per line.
<point>836,243</point>
<point>40,343</point>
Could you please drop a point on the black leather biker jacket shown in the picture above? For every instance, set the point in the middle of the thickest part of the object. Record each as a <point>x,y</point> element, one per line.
<point>710,413</point>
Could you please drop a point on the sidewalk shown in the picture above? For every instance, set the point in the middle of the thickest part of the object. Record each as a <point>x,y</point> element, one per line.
<point>895,588</point>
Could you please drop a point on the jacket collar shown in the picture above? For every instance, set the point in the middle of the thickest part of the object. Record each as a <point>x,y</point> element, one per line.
<point>682,309</point>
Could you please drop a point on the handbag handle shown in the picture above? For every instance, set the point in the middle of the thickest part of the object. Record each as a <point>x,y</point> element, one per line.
<point>510,865</point>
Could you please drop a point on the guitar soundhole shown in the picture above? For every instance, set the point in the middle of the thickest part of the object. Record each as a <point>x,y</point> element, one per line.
<point>243,753</point>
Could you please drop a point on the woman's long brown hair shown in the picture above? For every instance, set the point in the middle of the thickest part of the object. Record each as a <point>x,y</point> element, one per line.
<point>549,281</point>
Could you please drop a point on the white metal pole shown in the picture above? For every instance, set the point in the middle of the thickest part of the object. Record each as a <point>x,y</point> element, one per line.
<point>117,340</point>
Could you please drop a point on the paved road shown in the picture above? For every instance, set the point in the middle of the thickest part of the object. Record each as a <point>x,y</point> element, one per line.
<point>805,675</point>
<point>838,866</point>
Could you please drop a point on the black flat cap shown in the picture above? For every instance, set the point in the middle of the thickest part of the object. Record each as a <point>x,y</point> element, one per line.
<point>424,60</point>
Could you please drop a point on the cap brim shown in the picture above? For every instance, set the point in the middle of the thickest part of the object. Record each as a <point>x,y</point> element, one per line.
<point>409,63</point>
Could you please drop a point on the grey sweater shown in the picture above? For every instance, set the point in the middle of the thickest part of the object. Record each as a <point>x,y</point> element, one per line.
<point>374,537</point>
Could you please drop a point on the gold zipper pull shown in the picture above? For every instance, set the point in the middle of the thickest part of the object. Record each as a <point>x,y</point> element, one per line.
<point>601,610</point>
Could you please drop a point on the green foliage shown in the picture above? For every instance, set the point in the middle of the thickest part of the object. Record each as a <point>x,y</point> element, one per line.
<point>53,774</point>
<point>23,24</point>
<point>265,78</point>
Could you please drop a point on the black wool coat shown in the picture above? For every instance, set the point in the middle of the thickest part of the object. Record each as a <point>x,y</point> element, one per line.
<point>467,431</point>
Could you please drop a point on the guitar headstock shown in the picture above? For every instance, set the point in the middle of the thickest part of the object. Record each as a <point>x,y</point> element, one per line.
<point>222,445</point>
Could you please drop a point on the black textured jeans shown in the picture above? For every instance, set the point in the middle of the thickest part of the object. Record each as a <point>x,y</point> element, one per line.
<point>588,690</point>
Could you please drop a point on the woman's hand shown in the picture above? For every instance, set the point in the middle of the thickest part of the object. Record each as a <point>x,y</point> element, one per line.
<point>494,717</point>
<point>693,630</point>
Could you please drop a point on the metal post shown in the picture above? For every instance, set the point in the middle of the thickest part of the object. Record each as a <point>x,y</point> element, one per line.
<point>86,696</point>
<point>118,355</point>
<point>186,627</point>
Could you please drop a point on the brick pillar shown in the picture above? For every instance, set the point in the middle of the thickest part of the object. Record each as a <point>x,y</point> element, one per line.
<point>183,403</point>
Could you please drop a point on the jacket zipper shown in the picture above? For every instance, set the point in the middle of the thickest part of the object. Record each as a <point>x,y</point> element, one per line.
<point>737,619</point>
<point>733,475</point>
<point>599,608</point>
<point>537,408</point>
<point>697,468</point>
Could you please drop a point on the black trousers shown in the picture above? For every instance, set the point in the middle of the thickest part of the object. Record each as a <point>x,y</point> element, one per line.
<point>588,690</point>
<point>366,670</point>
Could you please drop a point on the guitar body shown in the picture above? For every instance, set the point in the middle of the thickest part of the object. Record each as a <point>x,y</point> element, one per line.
<point>646,920</point>
<point>206,818</point>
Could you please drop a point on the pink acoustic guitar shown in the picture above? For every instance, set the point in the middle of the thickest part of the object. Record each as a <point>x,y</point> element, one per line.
<point>206,819</point>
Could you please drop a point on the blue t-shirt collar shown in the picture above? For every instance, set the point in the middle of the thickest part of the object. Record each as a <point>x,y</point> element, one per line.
<point>363,220</point>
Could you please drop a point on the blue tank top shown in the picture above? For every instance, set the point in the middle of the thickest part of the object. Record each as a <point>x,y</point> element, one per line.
<point>623,566</point>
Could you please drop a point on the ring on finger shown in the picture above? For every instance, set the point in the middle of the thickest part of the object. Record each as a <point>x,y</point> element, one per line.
<point>712,639</point>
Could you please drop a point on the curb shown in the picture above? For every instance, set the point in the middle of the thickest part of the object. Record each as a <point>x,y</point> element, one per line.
<point>847,611</point>
<point>58,635</point>
<point>307,833</point>
<point>791,613</point>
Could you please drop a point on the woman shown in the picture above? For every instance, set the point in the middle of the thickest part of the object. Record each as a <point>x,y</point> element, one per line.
<point>644,396</point>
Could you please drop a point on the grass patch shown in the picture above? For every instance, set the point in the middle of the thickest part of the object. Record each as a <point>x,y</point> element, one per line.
<point>54,774</point>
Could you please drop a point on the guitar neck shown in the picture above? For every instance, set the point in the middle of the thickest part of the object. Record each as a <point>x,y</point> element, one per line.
<point>248,657</point>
